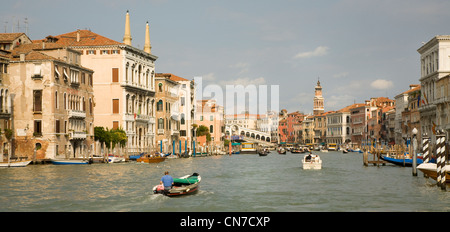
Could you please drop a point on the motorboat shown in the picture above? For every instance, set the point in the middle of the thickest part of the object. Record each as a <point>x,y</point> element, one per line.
<point>281,151</point>
<point>312,161</point>
<point>115,159</point>
<point>69,161</point>
<point>146,158</point>
<point>430,169</point>
<point>184,185</point>
<point>263,152</point>
<point>14,164</point>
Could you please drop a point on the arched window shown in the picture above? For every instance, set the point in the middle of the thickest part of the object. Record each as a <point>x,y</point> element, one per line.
<point>159,105</point>
<point>160,123</point>
<point>182,119</point>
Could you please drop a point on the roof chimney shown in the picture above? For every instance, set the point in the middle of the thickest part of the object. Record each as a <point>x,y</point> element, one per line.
<point>78,35</point>
<point>127,35</point>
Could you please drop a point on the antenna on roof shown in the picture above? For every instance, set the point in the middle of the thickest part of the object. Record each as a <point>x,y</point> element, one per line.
<point>26,25</point>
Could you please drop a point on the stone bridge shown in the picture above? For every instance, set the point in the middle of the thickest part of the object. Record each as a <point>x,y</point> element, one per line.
<point>252,135</point>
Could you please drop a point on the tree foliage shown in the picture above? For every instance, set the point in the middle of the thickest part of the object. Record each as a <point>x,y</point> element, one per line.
<point>110,137</point>
<point>203,130</point>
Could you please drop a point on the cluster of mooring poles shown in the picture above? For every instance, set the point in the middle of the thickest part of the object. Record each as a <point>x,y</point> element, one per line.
<point>440,157</point>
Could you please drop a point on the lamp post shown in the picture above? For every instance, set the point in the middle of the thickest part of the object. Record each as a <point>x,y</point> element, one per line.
<point>414,164</point>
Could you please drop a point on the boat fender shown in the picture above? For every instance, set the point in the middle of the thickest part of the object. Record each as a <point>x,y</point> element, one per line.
<point>187,190</point>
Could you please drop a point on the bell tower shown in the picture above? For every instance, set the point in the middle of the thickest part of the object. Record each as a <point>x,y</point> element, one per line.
<point>318,100</point>
<point>127,35</point>
<point>147,46</point>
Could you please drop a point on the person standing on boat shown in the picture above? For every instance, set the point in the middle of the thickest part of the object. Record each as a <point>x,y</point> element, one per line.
<point>167,181</point>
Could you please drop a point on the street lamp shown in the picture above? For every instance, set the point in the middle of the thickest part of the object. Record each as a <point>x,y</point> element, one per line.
<point>414,165</point>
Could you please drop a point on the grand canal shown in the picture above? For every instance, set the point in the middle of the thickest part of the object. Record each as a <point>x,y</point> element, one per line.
<point>238,183</point>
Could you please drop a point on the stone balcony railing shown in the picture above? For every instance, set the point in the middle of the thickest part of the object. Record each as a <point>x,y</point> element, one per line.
<point>77,135</point>
<point>76,114</point>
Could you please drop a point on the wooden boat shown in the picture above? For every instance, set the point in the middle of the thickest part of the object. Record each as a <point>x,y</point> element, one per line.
<point>150,159</point>
<point>184,185</point>
<point>430,169</point>
<point>345,151</point>
<point>14,164</point>
<point>296,150</point>
<point>281,151</point>
<point>401,162</point>
<point>312,162</point>
<point>69,161</point>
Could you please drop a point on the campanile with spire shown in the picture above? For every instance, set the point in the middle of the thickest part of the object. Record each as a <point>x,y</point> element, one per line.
<point>147,46</point>
<point>318,100</point>
<point>127,36</point>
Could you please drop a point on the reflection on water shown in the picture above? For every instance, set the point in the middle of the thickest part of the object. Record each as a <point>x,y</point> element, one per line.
<point>229,183</point>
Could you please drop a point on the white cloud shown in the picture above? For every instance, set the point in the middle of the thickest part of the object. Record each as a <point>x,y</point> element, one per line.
<point>245,81</point>
<point>340,75</point>
<point>319,51</point>
<point>209,77</point>
<point>382,84</point>
<point>244,67</point>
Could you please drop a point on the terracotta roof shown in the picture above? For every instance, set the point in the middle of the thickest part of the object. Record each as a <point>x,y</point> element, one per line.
<point>87,38</point>
<point>170,76</point>
<point>34,55</point>
<point>412,90</point>
<point>347,108</point>
<point>25,48</point>
<point>8,37</point>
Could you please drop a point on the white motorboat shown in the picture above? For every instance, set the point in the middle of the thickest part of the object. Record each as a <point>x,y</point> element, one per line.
<point>312,161</point>
<point>115,159</point>
<point>68,161</point>
<point>14,164</point>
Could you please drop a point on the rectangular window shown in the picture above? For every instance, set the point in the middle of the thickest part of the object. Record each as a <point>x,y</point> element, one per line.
<point>115,106</point>
<point>37,100</point>
<point>57,126</point>
<point>115,75</point>
<point>37,128</point>
<point>182,101</point>
<point>115,125</point>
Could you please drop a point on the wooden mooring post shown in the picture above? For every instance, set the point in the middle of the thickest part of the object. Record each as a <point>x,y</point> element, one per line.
<point>376,161</point>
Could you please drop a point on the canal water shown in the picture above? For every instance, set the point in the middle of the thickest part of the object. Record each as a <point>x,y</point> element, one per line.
<point>237,183</point>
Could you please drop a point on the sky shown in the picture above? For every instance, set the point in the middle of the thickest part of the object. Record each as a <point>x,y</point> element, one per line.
<point>358,49</point>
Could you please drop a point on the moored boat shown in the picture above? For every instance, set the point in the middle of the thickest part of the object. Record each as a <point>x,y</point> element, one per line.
<point>15,164</point>
<point>430,169</point>
<point>407,162</point>
<point>115,159</point>
<point>69,161</point>
<point>312,161</point>
<point>184,185</point>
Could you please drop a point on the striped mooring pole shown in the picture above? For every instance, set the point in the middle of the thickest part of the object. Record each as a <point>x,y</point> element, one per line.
<point>426,149</point>
<point>440,162</point>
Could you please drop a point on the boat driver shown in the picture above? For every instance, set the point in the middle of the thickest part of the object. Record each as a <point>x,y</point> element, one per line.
<point>167,181</point>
